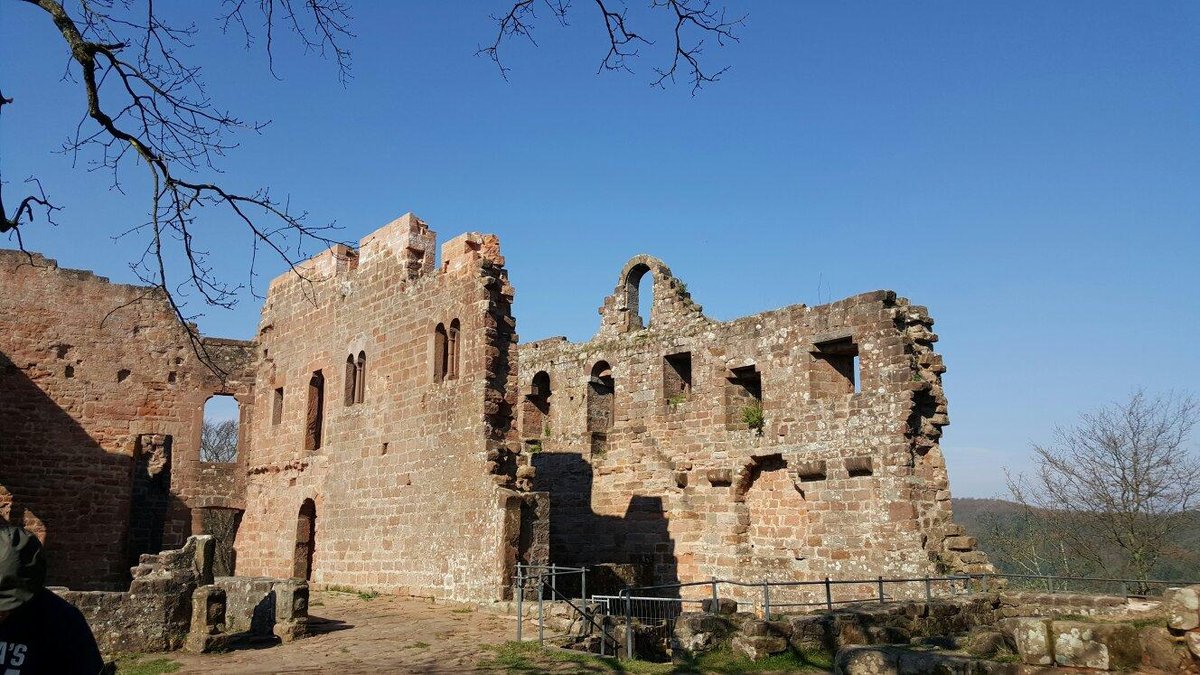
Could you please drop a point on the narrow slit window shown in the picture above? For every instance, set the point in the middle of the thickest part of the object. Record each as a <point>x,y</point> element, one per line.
<point>277,406</point>
<point>360,378</point>
<point>315,422</point>
<point>350,381</point>
<point>452,350</point>
<point>439,353</point>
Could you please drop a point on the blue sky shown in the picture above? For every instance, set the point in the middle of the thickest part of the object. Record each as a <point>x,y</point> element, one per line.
<point>1030,171</point>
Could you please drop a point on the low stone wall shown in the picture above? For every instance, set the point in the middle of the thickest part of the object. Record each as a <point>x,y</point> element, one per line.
<point>1183,617</point>
<point>1029,603</point>
<point>173,602</point>
<point>969,634</point>
<point>155,613</point>
<point>888,623</point>
<point>264,606</point>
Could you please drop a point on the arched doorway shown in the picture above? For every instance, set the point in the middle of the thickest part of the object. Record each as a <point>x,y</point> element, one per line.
<point>306,540</point>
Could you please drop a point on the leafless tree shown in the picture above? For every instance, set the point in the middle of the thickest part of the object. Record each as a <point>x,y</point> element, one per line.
<point>1120,485</point>
<point>690,23</point>
<point>218,441</point>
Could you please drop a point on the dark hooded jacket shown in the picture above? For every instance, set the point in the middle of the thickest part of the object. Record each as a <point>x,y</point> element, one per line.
<point>42,633</point>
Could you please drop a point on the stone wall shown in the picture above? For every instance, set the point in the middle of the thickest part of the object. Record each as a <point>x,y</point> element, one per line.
<point>101,402</point>
<point>155,613</point>
<point>793,444</point>
<point>383,460</point>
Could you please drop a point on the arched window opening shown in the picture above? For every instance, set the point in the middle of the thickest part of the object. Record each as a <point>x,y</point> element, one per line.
<point>360,379</point>
<point>639,289</point>
<point>315,420</point>
<point>600,394</point>
<point>306,540</point>
<point>439,353</point>
<point>452,350</point>
<point>219,430</point>
<point>536,413</point>
<point>351,380</point>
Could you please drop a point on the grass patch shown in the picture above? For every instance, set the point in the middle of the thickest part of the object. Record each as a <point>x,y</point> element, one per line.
<point>529,657</point>
<point>140,664</point>
<point>462,610</point>
<point>367,595</point>
<point>420,645</point>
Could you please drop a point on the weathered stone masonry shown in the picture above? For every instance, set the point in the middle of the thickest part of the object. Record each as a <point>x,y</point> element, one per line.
<point>410,475</point>
<point>643,437</point>
<point>101,400</point>
<point>394,437</point>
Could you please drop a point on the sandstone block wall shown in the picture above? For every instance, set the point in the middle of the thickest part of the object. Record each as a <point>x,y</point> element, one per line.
<point>384,459</point>
<point>793,444</point>
<point>101,402</point>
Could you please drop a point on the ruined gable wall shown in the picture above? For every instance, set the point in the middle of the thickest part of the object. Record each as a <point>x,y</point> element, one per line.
<point>839,483</point>
<point>94,377</point>
<point>411,484</point>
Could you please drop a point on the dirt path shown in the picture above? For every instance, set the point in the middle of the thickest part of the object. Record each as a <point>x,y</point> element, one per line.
<point>380,635</point>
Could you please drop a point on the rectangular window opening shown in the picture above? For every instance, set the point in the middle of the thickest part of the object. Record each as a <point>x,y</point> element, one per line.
<point>277,406</point>
<point>743,398</point>
<point>836,368</point>
<point>677,377</point>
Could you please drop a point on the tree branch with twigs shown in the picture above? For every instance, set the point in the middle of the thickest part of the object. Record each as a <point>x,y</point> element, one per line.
<point>692,23</point>
<point>146,105</point>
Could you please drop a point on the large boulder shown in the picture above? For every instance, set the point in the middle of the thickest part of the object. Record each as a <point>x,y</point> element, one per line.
<point>1183,607</point>
<point>1030,637</point>
<point>1098,646</point>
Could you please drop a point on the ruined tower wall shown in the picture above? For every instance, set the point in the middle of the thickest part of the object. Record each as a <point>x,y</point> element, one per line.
<point>99,388</point>
<point>411,480</point>
<point>844,478</point>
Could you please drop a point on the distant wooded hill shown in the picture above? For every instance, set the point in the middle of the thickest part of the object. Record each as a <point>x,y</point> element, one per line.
<point>1003,526</point>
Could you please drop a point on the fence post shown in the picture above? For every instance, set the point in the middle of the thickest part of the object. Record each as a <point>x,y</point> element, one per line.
<point>928,590</point>
<point>541,622</point>
<point>628,624</point>
<point>583,588</point>
<point>520,598</point>
<point>553,578</point>
<point>766,602</point>
<point>881,590</point>
<point>829,593</point>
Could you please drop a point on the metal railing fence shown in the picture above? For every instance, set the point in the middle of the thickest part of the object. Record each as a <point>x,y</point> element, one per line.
<point>545,577</point>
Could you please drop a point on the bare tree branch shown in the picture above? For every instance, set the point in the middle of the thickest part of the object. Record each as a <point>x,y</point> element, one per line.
<point>692,22</point>
<point>147,104</point>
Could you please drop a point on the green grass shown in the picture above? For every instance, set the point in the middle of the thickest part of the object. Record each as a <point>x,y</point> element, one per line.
<point>420,645</point>
<point>134,664</point>
<point>462,610</point>
<point>528,657</point>
<point>367,595</point>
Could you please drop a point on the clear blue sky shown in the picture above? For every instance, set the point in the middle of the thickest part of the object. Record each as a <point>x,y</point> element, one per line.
<point>1028,170</point>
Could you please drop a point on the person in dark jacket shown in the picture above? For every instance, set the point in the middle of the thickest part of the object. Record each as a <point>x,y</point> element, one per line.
<point>39,631</point>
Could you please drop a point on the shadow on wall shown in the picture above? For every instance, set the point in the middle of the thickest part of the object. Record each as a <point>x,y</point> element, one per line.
<point>635,549</point>
<point>94,510</point>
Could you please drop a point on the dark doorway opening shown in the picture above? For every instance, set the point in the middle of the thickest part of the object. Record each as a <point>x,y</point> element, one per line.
<point>306,540</point>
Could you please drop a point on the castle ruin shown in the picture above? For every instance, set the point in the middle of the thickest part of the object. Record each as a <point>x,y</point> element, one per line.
<point>395,436</point>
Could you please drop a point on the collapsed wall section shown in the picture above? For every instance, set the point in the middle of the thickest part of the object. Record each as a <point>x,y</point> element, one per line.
<point>384,458</point>
<point>793,444</point>
<point>101,406</point>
